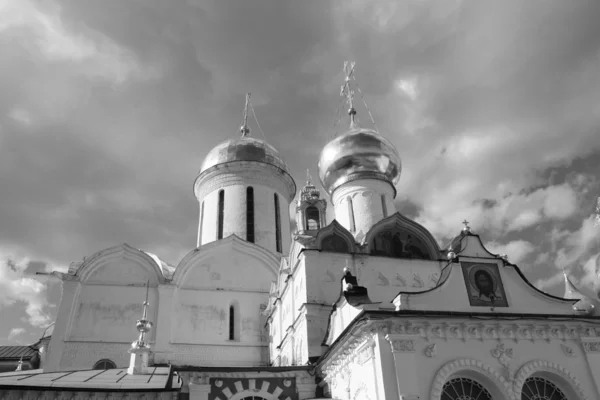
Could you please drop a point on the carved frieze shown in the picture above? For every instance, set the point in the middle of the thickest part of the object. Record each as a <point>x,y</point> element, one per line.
<point>591,346</point>
<point>403,346</point>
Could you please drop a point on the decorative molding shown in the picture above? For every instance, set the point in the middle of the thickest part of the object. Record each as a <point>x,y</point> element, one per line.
<point>466,364</point>
<point>431,350</point>
<point>567,350</point>
<point>402,346</point>
<point>502,354</point>
<point>591,346</point>
<point>494,331</point>
<point>532,367</point>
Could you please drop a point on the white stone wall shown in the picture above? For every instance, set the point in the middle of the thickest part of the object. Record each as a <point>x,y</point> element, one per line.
<point>367,205</point>
<point>416,363</point>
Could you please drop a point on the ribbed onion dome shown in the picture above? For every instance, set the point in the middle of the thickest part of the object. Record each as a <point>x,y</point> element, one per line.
<point>358,154</point>
<point>245,148</point>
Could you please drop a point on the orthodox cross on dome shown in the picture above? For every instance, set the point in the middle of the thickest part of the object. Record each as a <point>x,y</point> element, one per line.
<point>244,129</point>
<point>348,92</point>
<point>467,228</point>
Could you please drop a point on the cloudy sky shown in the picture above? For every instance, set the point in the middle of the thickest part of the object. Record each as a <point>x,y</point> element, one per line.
<point>108,107</point>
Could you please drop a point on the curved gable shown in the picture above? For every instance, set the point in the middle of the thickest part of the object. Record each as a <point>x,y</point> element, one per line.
<point>230,262</point>
<point>120,265</point>
<point>335,238</point>
<point>398,236</point>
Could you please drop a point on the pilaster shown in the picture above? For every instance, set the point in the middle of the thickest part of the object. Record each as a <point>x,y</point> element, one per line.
<point>70,290</point>
<point>163,318</point>
<point>403,351</point>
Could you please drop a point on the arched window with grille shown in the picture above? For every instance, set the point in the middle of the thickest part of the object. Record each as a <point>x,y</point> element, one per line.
<point>105,364</point>
<point>537,388</point>
<point>464,389</point>
<point>250,214</point>
<point>221,213</point>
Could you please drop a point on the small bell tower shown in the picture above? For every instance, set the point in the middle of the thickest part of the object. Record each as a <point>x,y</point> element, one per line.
<point>311,209</point>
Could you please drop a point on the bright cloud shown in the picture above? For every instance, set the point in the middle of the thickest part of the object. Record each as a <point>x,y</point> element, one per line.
<point>16,287</point>
<point>15,332</point>
<point>516,250</point>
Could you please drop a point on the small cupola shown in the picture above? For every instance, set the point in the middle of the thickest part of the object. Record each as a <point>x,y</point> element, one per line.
<point>311,209</point>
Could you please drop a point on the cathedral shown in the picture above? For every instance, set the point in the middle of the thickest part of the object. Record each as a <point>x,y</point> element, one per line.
<point>367,307</point>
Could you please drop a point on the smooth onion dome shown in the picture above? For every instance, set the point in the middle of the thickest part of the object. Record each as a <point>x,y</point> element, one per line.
<point>358,154</point>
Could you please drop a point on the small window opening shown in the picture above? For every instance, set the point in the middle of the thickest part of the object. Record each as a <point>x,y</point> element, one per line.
<point>250,214</point>
<point>351,215</point>
<point>231,323</point>
<point>312,219</point>
<point>384,206</point>
<point>277,224</point>
<point>201,222</point>
<point>221,214</point>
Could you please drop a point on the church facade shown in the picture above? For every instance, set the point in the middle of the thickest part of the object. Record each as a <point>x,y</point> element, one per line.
<point>367,307</point>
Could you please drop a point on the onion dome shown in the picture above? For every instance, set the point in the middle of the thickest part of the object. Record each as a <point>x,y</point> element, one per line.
<point>245,148</point>
<point>358,153</point>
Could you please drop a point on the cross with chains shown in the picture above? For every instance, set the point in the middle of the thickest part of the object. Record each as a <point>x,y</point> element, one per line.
<point>345,90</point>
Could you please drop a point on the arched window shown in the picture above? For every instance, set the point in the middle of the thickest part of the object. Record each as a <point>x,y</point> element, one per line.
<point>351,215</point>
<point>105,364</point>
<point>221,214</point>
<point>335,243</point>
<point>312,219</point>
<point>250,214</point>
<point>277,224</point>
<point>200,225</point>
<point>383,206</point>
<point>398,244</point>
<point>464,389</point>
<point>536,388</point>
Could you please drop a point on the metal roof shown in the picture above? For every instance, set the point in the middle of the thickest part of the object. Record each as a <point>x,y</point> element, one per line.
<point>158,379</point>
<point>16,352</point>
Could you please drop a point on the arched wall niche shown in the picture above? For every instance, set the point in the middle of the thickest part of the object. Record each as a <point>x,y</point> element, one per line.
<point>476,370</point>
<point>335,238</point>
<point>120,264</point>
<point>553,372</point>
<point>227,256</point>
<point>400,237</point>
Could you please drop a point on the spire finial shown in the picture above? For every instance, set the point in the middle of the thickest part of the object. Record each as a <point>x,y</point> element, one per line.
<point>347,92</point>
<point>244,129</point>
<point>308,178</point>
<point>146,301</point>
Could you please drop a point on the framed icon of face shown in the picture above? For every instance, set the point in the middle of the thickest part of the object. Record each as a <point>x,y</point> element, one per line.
<point>484,285</point>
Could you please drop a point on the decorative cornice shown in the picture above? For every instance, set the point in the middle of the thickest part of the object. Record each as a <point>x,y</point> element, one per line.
<point>532,367</point>
<point>591,346</point>
<point>245,173</point>
<point>463,364</point>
